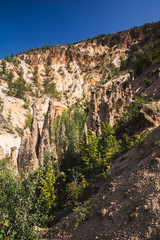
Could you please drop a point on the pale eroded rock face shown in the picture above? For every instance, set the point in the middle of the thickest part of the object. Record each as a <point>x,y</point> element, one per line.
<point>150,114</point>
<point>7,141</point>
<point>46,144</point>
<point>35,145</point>
<point>107,103</point>
<point>13,160</point>
<point>75,70</point>
<point>27,157</point>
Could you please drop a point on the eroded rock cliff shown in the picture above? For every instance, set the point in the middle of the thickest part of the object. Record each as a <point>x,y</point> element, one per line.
<point>85,71</point>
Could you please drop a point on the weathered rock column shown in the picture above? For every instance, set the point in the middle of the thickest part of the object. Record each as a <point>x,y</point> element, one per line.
<point>35,129</point>
<point>103,109</point>
<point>27,156</point>
<point>24,152</point>
<point>46,143</point>
<point>93,117</point>
<point>13,159</point>
<point>90,122</point>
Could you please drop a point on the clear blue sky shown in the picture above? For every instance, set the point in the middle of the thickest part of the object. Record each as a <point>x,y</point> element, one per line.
<point>26,24</point>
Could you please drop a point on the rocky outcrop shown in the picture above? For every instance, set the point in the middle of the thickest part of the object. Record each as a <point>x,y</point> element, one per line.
<point>127,206</point>
<point>13,159</point>
<point>35,129</point>
<point>74,69</point>
<point>46,143</point>
<point>34,145</point>
<point>27,156</point>
<point>150,114</point>
<point>93,116</point>
<point>72,52</point>
<point>24,151</point>
<point>107,103</point>
<point>3,123</point>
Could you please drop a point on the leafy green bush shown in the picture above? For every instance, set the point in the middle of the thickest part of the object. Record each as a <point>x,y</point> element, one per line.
<point>68,129</point>
<point>144,55</point>
<point>128,142</point>
<point>20,86</point>
<point>16,202</point>
<point>98,152</point>
<point>9,79</point>
<point>26,103</point>
<point>91,155</point>
<point>82,211</point>
<point>130,120</point>
<point>66,94</point>
<point>130,115</point>
<point>4,65</point>
<point>109,143</point>
<point>35,77</point>
<point>76,188</point>
<point>47,188</point>
<point>26,202</point>
<point>50,88</point>
<point>13,60</point>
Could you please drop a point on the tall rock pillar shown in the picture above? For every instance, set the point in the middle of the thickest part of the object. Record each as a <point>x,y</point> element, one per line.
<point>27,156</point>
<point>46,143</point>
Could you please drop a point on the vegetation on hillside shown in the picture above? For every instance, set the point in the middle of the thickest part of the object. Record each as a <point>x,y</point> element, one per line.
<point>35,77</point>
<point>50,88</point>
<point>143,56</point>
<point>16,88</point>
<point>36,199</point>
<point>13,60</point>
<point>19,88</point>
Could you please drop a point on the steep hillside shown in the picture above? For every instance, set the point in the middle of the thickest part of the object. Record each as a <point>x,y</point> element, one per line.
<point>64,74</point>
<point>80,125</point>
<point>127,206</point>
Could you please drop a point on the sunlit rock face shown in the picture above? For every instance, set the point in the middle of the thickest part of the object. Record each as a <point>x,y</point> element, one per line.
<point>67,75</point>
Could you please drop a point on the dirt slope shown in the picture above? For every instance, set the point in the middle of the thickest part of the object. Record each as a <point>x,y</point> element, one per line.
<point>131,199</point>
<point>128,205</point>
